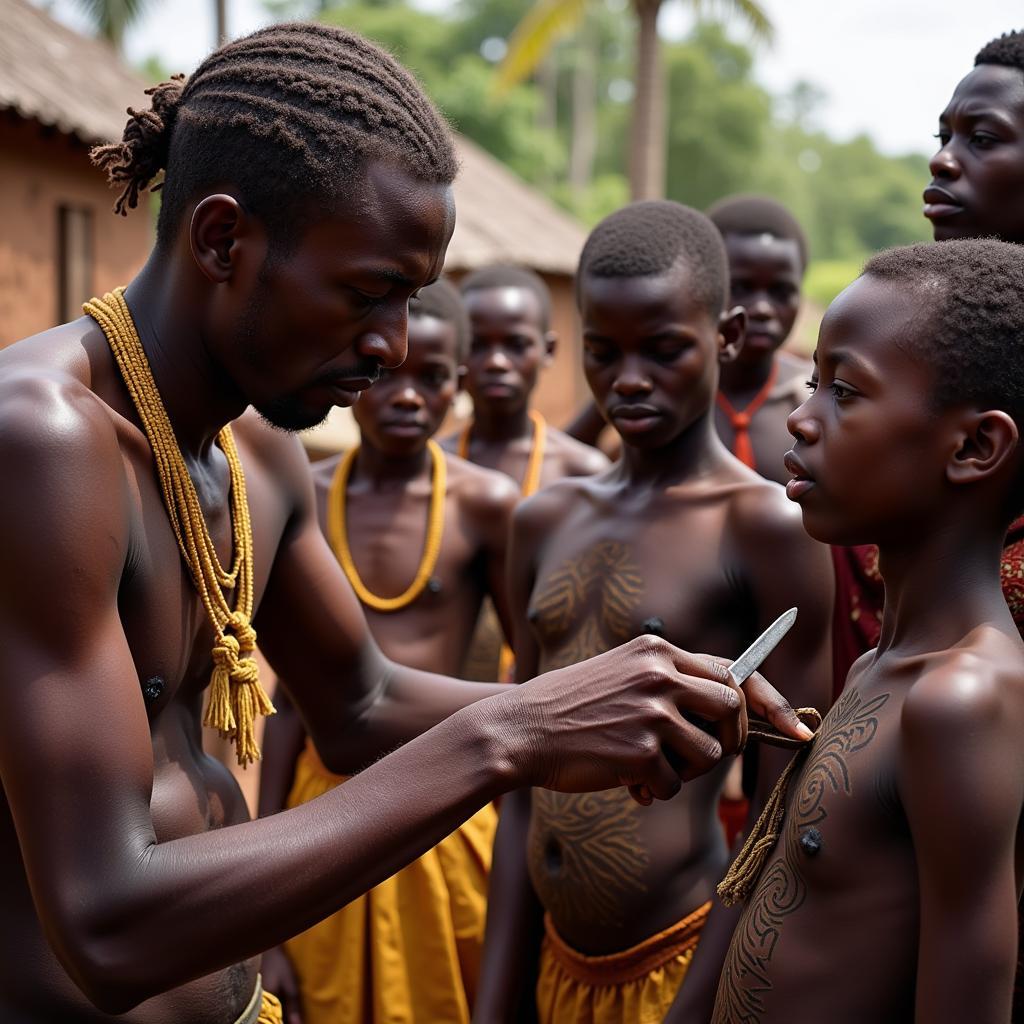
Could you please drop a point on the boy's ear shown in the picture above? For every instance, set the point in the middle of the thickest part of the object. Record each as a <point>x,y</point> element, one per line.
<point>550,345</point>
<point>987,441</point>
<point>220,233</point>
<point>732,329</point>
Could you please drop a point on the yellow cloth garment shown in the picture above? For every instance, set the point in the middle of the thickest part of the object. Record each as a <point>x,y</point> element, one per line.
<point>635,986</point>
<point>408,952</point>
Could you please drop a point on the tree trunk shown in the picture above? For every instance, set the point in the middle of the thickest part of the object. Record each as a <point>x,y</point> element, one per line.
<point>647,130</point>
<point>584,110</point>
<point>221,16</point>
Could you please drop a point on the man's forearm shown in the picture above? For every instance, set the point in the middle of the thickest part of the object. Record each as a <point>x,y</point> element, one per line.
<point>236,891</point>
<point>402,704</point>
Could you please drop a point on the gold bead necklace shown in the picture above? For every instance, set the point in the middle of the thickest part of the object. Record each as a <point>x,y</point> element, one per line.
<point>337,530</point>
<point>236,695</point>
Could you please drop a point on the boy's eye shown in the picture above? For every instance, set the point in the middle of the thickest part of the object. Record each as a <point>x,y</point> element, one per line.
<point>841,391</point>
<point>942,136</point>
<point>435,377</point>
<point>599,353</point>
<point>983,140</point>
<point>812,385</point>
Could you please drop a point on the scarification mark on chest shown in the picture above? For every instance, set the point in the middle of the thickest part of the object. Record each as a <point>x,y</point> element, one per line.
<point>588,604</point>
<point>746,978</point>
<point>586,855</point>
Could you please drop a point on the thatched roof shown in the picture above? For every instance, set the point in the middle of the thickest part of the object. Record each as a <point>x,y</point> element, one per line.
<point>52,75</point>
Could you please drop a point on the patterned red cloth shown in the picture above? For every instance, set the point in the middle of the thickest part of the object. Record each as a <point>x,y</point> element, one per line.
<point>857,620</point>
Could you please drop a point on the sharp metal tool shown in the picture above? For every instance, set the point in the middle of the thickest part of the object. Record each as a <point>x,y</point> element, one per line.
<point>750,660</point>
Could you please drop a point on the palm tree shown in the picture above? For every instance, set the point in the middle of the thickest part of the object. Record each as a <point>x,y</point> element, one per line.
<point>111,18</point>
<point>547,20</point>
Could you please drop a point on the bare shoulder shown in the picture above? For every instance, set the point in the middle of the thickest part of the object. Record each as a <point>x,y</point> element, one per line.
<point>578,459</point>
<point>973,690</point>
<point>480,491</point>
<point>760,514</point>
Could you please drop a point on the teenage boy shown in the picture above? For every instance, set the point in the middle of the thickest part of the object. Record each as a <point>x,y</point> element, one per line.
<point>758,389</point>
<point>891,894</point>
<point>512,342</point>
<point>410,946</point>
<point>678,538</point>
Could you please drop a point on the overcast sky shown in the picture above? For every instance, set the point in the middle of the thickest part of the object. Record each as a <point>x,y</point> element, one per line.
<point>887,66</point>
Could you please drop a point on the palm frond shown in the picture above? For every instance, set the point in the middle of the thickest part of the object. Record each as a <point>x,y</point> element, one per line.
<point>748,11</point>
<point>534,36</point>
<point>111,18</point>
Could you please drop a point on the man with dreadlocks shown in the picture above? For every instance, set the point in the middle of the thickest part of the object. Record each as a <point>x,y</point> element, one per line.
<point>155,524</point>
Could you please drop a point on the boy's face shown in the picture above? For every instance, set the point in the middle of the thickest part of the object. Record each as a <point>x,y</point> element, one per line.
<point>508,348</point>
<point>977,184</point>
<point>765,277</point>
<point>407,405</point>
<point>650,354</point>
<point>869,457</point>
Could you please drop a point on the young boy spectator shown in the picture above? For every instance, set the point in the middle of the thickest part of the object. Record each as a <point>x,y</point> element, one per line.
<point>891,894</point>
<point>678,539</point>
<point>421,536</point>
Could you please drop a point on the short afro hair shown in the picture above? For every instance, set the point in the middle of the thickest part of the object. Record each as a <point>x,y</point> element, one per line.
<point>758,215</point>
<point>284,114</point>
<point>1007,50</point>
<point>972,328</point>
<point>441,300</point>
<point>652,237</point>
<point>505,275</point>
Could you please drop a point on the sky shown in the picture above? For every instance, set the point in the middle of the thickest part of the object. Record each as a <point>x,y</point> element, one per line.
<point>887,67</point>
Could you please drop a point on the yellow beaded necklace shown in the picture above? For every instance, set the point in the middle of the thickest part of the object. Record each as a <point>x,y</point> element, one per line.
<point>337,530</point>
<point>236,696</point>
<point>531,480</point>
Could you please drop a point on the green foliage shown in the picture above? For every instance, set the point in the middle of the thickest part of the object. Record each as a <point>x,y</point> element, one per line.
<point>725,132</point>
<point>717,118</point>
<point>825,279</point>
<point>112,18</point>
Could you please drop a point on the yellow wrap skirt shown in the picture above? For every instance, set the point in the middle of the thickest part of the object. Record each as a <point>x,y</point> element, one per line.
<point>408,952</point>
<point>636,986</point>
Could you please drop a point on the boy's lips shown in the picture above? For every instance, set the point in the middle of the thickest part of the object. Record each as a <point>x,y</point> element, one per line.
<point>802,481</point>
<point>634,418</point>
<point>940,203</point>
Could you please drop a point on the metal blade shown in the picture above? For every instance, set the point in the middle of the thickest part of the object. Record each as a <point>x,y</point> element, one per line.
<point>750,660</point>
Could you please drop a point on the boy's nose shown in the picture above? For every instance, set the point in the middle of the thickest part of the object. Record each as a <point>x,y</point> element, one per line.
<point>631,381</point>
<point>407,397</point>
<point>944,164</point>
<point>801,424</point>
<point>496,360</point>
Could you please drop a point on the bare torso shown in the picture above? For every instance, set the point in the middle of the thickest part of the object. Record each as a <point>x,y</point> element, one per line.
<point>387,531</point>
<point>616,565</point>
<point>171,641</point>
<point>832,929</point>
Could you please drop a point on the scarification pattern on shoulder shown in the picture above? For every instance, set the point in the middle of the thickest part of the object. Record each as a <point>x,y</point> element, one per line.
<point>849,727</point>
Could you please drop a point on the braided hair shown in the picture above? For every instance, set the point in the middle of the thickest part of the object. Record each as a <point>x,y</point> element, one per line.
<point>289,112</point>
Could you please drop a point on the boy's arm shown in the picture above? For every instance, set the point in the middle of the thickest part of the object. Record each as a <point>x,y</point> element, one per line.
<point>960,780</point>
<point>283,740</point>
<point>784,568</point>
<point>514,915</point>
